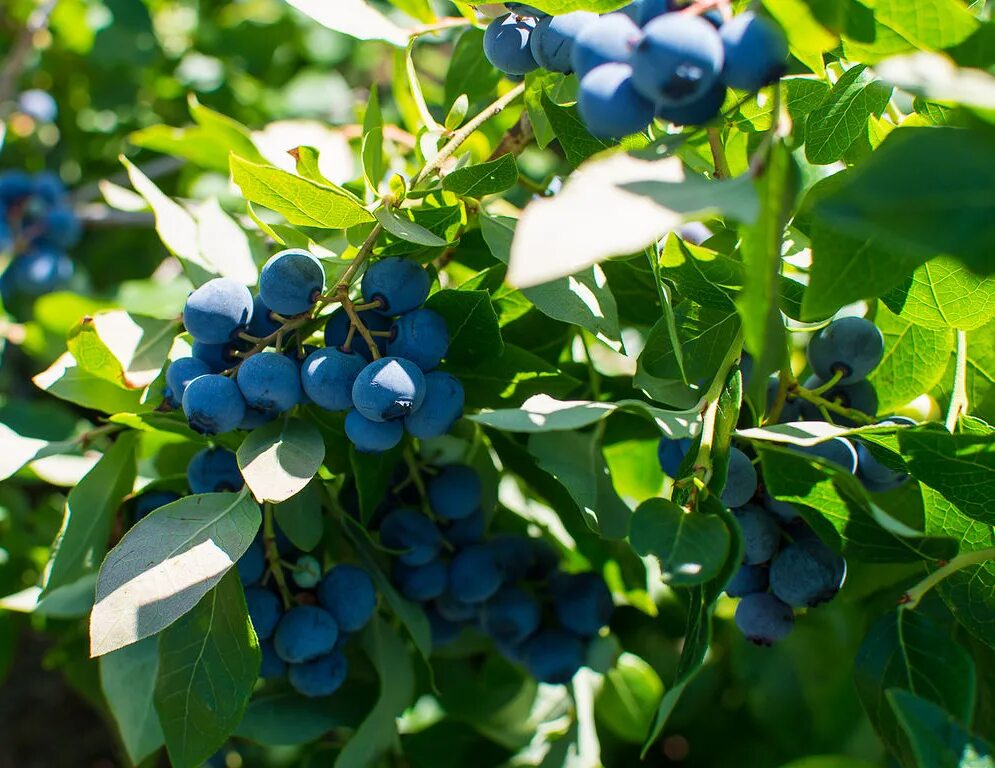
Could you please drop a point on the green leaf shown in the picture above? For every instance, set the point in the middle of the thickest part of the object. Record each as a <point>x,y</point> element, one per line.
<point>285,718</point>
<point>416,9</point>
<point>647,199</point>
<point>68,381</point>
<point>885,197</point>
<point>542,413</point>
<point>915,359</point>
<point>576,461</point>
<point>931,24</point>
<point>445,222</point>
<point>936,79</point>
<point>72,601</point>
<point>835,504</point>
<point>942,294</point>
<point>558,7</point>
<point>836,123</point>
<point>758,305</point>
<point>938,740</point>
<point>208,664</point>
<point>126,349</point>
<point>372,145</point>
<point>354,18</point>
<point>163,566</point>
<point>403,227</point>
<point>980,381</point>
<point>457,113</point>
<point>18,450</point>
<point>300,201</point>
<point>903,649</point>
<point>704,334</point>
<point>280,458</point>
<point>584,299</point>
<point>89,513</point>
<point>807,38</point>
<point>536,83</point>
<point>127,679</point>
<point>372,473</point>
<point>513,376</point>
<point>482,179</point>
<point>691,546</point>
<point>469,71</point>
<point>474,335</point>
<point>628,699</point>
<point>961,467</point>
<point>378,731</point>
<point>299,517</point>
<point>577,142</point>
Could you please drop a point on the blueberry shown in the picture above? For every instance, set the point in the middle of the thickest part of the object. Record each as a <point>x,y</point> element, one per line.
<point>180,373</point>
<point>515,555</point>
<point>851,345</point>
<point>506,44</point>
<point>554,656</point>
<point>307,572</point>
<point>291,281</point>
<point>337,331</point>
<point>696,110</point>
<point>609,104</point>
<point>255,418</point>
<point>748,580</point>
<point>644,11</point>
<point>441,408</point>
<point>218,310</point>
<point>582,602</point>
<point>213,404</point>
<point>511,615</point>
<point>741,482</point>
<point>62,229</point>
<point>452,609</point>
<point>38,272</point>
<point>421,583</point>
<point>372,436</point>
<point>252,564</point>
<point>474,574</point>
<point>838,450</point>
<point>553,38</point>
<point>400,285</point>
<point>388,388</point>
<point>755,51</point>
<point>305,633</point>
<point>218,357</point>
<point>792,409</point>
<point>347,593</point>
<point>272,666</point>
<point>270,382</point>
<point>671,453</point>
<point>610,39</point>
<point>455,492</point>
<point>49,188</point>
<point>679,57</point>
<point>761,534</point>
<point>214,470</point>
<point>807,573</point>
<point>265,611</point>
<point>321,677</point>
<point>150,501</point>
<point>469,530</point>
<point>420,336</point>
<point>263,323</point>
<point>544,560</point>
<point>15,186</point>
<point>782,510</point>
<point>328,376</point>
<point>764,619</point>
<point>409,531</point>
<point>443,630</point>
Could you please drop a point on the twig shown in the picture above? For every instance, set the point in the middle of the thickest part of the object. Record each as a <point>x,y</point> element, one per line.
<point>958,398</point>
<point>913,597</point>
<point>273,555</point>
<point>18,56</point>
<point>718,154</point>
<point>703,461</point>
<point>460,135</point>
<point>515,139</point>
<point>357,323</point>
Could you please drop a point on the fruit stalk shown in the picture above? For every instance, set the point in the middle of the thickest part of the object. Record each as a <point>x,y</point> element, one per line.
<point>273,555</point>
<point>357,323</point>
<point>820,402</point>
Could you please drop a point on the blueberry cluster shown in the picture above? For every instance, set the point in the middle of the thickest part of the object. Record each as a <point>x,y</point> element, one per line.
<point>37,226</point>
<point>652,58</point>
<point>251,359</point>
<point>785,565</point>
<point>306,641</point>
<point>505,585</point>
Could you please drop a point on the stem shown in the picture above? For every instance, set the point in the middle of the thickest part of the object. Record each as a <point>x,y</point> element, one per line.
<point>958,399</point>
<point>416,93</point>
<point>833,381</point>
<point>273,555</point>
<point>22,47</point>
<point>703,461</point>
<point>828,405</point>
<point>361,256</point>
<point>357,323</point>
<point>912,598</point>
<point>460,135</point>
<point>718,154</point>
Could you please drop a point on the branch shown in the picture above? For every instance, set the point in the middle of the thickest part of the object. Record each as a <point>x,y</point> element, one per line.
<point>718,154</point>
<point>958,398</point>
<point>517,138</point>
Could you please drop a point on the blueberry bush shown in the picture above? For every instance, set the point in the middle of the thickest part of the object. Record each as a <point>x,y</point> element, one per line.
<point>423,383</point>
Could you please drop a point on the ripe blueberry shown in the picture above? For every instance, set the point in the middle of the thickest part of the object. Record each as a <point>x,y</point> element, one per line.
<point>217,310</point>
<point>291,281</point>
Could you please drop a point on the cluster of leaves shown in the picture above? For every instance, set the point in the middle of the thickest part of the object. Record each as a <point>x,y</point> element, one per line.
<point>583,326</point>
